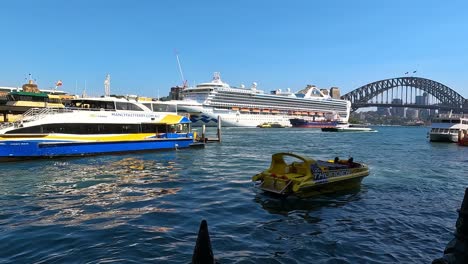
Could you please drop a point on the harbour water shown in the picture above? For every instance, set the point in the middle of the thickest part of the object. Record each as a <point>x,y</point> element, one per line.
<point>147,207</point>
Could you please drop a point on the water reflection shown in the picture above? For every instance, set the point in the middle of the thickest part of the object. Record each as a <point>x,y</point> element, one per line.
<point>284,206</point>
<point>105,195</point>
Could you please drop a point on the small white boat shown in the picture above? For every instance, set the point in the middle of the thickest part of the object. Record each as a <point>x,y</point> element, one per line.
<point>348,128</point>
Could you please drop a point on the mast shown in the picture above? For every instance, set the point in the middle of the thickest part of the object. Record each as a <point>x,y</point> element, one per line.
<point>180,70</point>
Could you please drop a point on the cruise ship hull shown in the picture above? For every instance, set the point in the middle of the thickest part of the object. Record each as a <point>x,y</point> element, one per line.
<point>209,116</point>
<point>237,120</point>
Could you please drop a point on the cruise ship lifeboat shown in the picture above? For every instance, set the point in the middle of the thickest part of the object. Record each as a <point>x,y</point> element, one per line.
<point>305,177</point>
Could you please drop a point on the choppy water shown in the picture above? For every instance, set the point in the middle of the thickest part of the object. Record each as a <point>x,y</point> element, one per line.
<point>146,208</point>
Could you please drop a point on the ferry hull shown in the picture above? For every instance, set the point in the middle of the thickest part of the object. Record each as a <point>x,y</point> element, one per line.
<point>19,149</point>
<point>347,129</point>
<point>443,137</point>
<point>301,123</point>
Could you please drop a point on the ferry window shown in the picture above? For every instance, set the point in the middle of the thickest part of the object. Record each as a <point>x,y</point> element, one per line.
<point>164,108</point>
<point>121,106</point>
<point>127,106</point>
<point>134,107</point>
<point>129,128</point>
<point>159,108</point>
<point>153,128</point>
<point>184,128</point>
<point>26,130</point>
<point>148,105</point>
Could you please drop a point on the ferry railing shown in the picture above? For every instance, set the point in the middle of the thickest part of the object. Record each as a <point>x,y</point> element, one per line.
<point>33,114</point>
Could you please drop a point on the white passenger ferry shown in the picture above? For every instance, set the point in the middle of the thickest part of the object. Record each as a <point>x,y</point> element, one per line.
<point>90,126</point>
<point>250,107</point>
<point>445,127</point>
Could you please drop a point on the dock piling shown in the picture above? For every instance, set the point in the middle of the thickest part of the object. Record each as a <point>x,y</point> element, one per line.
<point>219,129</point>
<point>203,134</point>
<point>205,138</point>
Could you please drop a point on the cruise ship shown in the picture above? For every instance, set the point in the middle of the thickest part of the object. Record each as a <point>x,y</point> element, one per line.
<point>250,107</point>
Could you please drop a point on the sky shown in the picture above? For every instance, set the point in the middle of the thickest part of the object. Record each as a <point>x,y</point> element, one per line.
<point>277,44</point>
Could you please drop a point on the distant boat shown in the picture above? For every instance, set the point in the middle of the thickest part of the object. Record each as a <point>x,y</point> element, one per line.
<point>303,123</point>
<point>18,101</point>
<point>271,125</point>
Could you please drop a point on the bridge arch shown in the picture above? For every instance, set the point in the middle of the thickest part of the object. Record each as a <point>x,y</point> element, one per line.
<point>446,97</point>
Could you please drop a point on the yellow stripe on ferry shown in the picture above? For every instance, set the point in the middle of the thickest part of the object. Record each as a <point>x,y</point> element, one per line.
<point>80,138</point>
<point>115,137</point>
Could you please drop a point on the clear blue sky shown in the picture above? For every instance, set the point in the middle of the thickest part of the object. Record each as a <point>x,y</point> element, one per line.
<point>278,44</point>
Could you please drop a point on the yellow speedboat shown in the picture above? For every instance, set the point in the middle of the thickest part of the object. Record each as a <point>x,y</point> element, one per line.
<point>271,125</point>
<point>305,177</point>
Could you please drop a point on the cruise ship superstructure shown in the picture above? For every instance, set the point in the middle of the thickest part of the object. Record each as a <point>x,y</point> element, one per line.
<point>249,107</point>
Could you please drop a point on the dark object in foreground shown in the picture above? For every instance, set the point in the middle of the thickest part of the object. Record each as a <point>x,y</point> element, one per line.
<point>203,252</point>
<point>456,251</point>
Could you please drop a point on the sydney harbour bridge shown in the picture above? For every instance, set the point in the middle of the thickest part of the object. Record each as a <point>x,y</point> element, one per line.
<point>407,92</point>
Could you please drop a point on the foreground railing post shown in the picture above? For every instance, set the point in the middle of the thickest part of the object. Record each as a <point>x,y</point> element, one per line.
<point>456,251</point>
<point>203,253</point>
